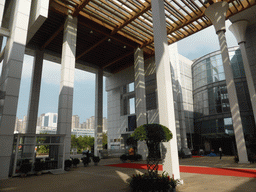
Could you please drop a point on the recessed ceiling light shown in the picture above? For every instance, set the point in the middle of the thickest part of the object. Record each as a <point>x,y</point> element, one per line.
<point>109,40</point>
<point>91,31</point>
<point>124,46</point>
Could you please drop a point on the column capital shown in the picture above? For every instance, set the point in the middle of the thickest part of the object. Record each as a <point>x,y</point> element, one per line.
<point>217,14</point>
<point>238,29</point>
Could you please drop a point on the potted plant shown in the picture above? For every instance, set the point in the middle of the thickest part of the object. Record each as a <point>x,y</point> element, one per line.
<point>137,157</point>
<point>75,162</point>
<point>146,182</point>
<point>96,160</point>
<point>38,166</point>
<point>123,158</point>
<point>25,168</point>
<point>174,183</point>
<point>68,164</point>
<point>86,160</point>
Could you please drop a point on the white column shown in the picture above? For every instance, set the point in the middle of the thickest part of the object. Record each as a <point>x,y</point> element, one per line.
<point>140,95</point>
<point>164,88</point>
<point>35,92</point>
<point>67,82</point>
<point>238,29</point>
<point>2,3</point>
<point>10,79</point>
<point>217,14</point>
<point>98,112</point>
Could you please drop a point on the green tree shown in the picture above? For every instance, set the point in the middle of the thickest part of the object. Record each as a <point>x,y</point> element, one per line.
<point>82,142</point>
<point>43,149</point>
<point>104,140</point>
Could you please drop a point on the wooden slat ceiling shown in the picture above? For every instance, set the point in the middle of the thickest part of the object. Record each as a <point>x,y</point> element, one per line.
<point>110,30</point>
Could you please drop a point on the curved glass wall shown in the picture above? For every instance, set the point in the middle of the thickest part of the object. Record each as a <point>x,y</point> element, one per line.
<point>212,116</point>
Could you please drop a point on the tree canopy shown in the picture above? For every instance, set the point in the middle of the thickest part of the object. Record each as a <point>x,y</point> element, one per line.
<point>82,143</point>
<point>152,132</point>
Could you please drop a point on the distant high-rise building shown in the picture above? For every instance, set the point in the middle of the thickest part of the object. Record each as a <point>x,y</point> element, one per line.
<point>24,124</point>
<point>75,122</point>
<point>83,125</point>
<point>48,120</point>
<point>18,125</point>
<point>40,119</point>
<point>104,124</point>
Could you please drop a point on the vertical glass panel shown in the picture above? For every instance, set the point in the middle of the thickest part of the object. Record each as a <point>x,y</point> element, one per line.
<point>131,87</point>
<point>236,73</point>
<point>221,76</point>
<point>132,105</point>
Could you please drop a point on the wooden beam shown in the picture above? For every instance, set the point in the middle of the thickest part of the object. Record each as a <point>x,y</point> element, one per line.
<point>80,7</point>
<point>135,16</point>
<point>92,47</point>
<point>52,37</point>
<point>122,67</point>
<point>177,27</point>
<point>118,59</point>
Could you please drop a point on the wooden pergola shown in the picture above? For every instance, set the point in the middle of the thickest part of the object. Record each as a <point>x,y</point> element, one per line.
<point>110,30</point>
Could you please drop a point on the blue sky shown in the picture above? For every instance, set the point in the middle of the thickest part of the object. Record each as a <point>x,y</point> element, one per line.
<point>192,47</point>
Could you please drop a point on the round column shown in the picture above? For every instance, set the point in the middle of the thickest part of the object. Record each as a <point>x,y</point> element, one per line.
<point>238,29</point>
<point>217,14</point>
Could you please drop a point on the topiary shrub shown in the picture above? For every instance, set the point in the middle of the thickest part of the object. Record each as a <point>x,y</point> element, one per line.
<point>153,134</point>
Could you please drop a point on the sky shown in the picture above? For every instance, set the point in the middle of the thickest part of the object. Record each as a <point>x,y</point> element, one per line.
<point>192,47</point>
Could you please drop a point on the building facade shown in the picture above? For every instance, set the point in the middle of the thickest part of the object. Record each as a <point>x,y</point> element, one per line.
<point>212,116</point>
<point>121,101</point>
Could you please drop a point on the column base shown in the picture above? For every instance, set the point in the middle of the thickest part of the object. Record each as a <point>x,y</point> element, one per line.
<point>244,162</point>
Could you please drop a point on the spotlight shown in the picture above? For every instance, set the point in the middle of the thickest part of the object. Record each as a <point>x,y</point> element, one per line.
<point>91,31</point>
<point>124,46</point>
<point>109,40</point>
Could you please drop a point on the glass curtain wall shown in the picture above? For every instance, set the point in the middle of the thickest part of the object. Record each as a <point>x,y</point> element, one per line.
<point>212,116</point>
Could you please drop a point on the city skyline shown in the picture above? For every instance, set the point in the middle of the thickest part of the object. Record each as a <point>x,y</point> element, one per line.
<point>48,121</point>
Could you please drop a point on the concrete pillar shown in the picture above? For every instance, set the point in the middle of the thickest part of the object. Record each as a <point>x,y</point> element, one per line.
<point>164,89</point>
<point>98,112</point>
<point>10,80</point>
<point>178,97</point>
<point>35,92</point>
<point>67,82</point>
<point>217,14</point>
<point>140,95</point>
<point>2,3</point>
<point>238,29</point>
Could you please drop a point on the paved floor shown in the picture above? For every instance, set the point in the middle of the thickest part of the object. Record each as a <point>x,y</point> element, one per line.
<point>114,179</point>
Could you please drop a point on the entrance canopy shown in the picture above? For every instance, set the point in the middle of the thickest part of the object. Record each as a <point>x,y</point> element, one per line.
<point>110,30</point>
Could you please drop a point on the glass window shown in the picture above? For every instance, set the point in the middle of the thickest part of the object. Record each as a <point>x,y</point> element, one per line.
<point>46,121</point>
<point>131,87</point>
<point>54,118</point>
<point>220,69</point>
<point>242,73</point>
<point>222,76</point>
<point>132,105</point>
<point>236,73</point>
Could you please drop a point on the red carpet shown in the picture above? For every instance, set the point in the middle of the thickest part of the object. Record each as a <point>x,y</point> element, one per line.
<point>200,170</point>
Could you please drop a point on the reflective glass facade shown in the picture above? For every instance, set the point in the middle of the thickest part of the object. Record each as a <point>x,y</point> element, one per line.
<point>212,116</point>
